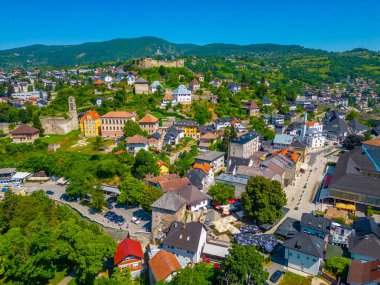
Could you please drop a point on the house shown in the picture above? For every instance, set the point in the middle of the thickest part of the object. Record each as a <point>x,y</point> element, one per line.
<point>234,87</point>
<point>189,128</point>
<point>163,167</point>
<point>106,79</point>
<point>6,175</point>
<point>201,176</point>
<point>172,136</point>
<point>182,95</point>
<point>155,141</point>
<point>200,77</point>
<point>214,158</point>
<point>222,123</point>
<point>195,199</point>
<point>136,143</point>
<point>356,127</point>
<point>364,273</point>
<point>266,102</point>
<point>282,141</point>
<point>129,255</point>
<point>305,253</point>
<point>336,129</point>
<point>244,146</point>
<point>168,99</point>
<point>163,266</point>
<point>90,124</point>
<point>252,108</point>
<point>131,78</point>
<point>286,163</point>
<point>25,134</point>
<point>314,225</point>
<point>216,83</point>
<point>167,209</point>
<point>194,85</point>
<point>206,140</point>
<point>141,86</point>
<point>277,119</point>
<point>112,123</point>
<point>155,86</point>
<point>169,182</point>
<point>365,248</point>
<point>186,241</point>
<point>149,123</point>
<point>233,162</point>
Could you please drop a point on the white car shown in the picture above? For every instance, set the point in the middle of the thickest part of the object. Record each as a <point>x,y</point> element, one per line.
<point>135,220</point>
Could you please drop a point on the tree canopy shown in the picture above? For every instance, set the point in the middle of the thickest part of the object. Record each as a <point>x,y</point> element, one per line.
<point>220,193</point>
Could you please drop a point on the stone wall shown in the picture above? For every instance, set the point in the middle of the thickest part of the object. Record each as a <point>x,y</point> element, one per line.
<point>162,219</point>
<point>150,62</point>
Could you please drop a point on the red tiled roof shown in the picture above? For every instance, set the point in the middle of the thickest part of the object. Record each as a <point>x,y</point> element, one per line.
<point>137,139</point>
<point>98,82</point>
<point>24,130</point>
<point>148,118</point>
<point>364,272</point>
<point>163,264</point>
<point>374,142</point>
<point>174,184</point>
<point>204,167</point>
<point>128,247</point>
<point>119,114</point>
<point>160,163</point>
<point>91,113</point>
<point>119,152</point>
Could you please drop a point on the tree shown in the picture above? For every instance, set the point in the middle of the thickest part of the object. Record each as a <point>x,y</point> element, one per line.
<point>119,277</point>
<point>352,115</point>
<point>263,200</point>
<point>148,196</point>
<point>98,143</point>
<point>131,190</point>
<point>144,164</point>
<point>220,193</point>
<point>132,128</point>
<point>338,266</point>
<point>244,265</point>
<point>97,197</point>
<point>200,274</point>
<point>351,141</point>
<point>37,124</point>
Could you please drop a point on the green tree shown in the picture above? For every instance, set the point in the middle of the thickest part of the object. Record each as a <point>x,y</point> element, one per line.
<point>37,124</point>
<point>220,193</point>
<point>352,115</point>
<point>131,190</point>
<point>263,200</point>
<point>243,265</point>
<point>98,143</point>
<point>338,266</point>
<point>148,196</point>
<point>97,197</point>
<point>132,128</point>
<point>351,141</point>
<point>119,277</point>
<point>144,164</point>
<point>200,274</point>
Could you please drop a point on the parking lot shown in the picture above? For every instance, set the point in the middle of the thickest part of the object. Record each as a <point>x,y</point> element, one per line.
<point>127,213</point>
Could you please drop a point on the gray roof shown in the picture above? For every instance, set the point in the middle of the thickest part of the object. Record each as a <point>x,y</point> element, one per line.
<point>236,161</point>
<point>191,194</point>
<point>186,123</point>
<point>209,156</point>
<point>367,246</point>
<point>320,224</point>
<point>170,201</point>
<point>141,81</point>
<point>364,226</point>
<point>245,138</point>
<point>196,176</point>
<point>7,170</point>
<point>184,236</point>
<point>355,125</point>
<point>283,139</point>
<point>337,126</point>
<point>229,178</point>
<point>288,226</point>
<point>307,244</point>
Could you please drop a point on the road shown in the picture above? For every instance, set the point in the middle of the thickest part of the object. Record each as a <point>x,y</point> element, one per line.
<point>91,214</point>
<point>300,196</point>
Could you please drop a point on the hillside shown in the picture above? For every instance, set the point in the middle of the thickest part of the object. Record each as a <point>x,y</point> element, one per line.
<point>124,49</point>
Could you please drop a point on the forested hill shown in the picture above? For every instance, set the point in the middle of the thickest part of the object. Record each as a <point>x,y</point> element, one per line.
<point>124,49</point>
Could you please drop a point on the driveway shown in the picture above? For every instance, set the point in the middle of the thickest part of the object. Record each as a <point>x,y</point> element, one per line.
<point>93,215</point>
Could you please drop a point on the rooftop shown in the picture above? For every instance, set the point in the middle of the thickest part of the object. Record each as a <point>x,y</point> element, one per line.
<point>148,119</point>
<point>245,138</point>
<point>163,264</point>
<point>25,130</point>
<point>209,156</point>
<point>119,114</point>
<point>128,247</point>
<point>307,244</point>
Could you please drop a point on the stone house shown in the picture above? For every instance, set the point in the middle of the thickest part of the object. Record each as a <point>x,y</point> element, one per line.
<point>244,146</point>
<point>25,134</point>
<point>141,86</point>
<point>149,123</point>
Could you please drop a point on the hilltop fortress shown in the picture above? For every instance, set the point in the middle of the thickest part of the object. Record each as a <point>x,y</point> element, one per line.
<point>150,62</point>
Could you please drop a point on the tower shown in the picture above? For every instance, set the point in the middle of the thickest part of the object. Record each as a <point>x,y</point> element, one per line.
<point>303,132</point>
<point>73,115</point>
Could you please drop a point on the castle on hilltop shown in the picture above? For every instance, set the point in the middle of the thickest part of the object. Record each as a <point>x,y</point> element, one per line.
<point>150,62</point>
<point>61,125</point>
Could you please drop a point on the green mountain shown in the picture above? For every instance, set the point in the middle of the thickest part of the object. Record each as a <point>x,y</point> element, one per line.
<point>124,49</point>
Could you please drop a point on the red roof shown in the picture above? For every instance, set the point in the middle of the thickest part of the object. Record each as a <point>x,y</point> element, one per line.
<point>163,264</point>
<point>128,247</point>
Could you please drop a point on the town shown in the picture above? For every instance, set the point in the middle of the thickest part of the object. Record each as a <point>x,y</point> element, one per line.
<point>190,172</point>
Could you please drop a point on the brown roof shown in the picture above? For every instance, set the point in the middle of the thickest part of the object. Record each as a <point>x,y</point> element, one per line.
<point>161,178</point>
<point>374,142</point>
<point>148,119</point>
<point>251,105</point>
<point>137,139</point>
<point>174,184</point>
<point>363,272</point>
<point>25,130</point>
<point>160,163</point>
<point>163,264</point>
<point>209,136</point>
<point>119,114</point>
<point>92,114</point>
<point>168,97</point>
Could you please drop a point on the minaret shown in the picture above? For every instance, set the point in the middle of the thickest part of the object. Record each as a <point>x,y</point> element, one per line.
<point>303,134</point>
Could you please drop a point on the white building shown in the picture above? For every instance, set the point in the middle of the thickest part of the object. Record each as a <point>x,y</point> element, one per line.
<point>182,95</point>
<point>311,134</point>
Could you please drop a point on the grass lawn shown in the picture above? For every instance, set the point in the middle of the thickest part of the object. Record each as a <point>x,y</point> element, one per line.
<point>294,279</point>
<point>67,139</point>
<point>58,277</point>
<point>72,282</point>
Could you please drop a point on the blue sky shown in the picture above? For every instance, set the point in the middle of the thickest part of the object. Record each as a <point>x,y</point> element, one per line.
<point>327,24</point>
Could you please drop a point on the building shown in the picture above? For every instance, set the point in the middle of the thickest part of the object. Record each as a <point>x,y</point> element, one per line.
<point>6,175</point>
<point>252,108</point>
<point>314,225</point>
<point>234,87</point>
<point>364,248</point>
<point>141,86</point>
<point>336,129</point>
<point>356,175</point>
<point>168,100</point>
<point>136,143</point>
<point>282,141</point>
<point>173,136</point>
<point>186,241</point>
<point>155,86</point>
<point>90,124</point>
<point>356,127</point>
<point>201,176</point>
<point>194,85</point>
<point>195,199</point>
<point>305,253</point>
<point>163,266</point>
<point>214,158</point>
<point>189,128</point>
<point>129,254</point>
<point>155,141</point>
<point>169,182</point>
<point>149,123</point>
<point>25,134</point>
<point>364,273</point>
<point>244,146</point>
<point>182,95</point>
<point>163,167</point>
<point>312,134</point>
<point>113,123</point>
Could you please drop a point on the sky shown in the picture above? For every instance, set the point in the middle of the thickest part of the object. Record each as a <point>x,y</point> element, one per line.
<point>333,25</point>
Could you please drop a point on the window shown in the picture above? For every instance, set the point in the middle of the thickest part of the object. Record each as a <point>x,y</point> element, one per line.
<point>135,265</point>
<point>298,256</point>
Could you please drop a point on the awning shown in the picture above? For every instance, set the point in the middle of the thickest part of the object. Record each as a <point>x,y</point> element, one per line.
<point>348,207</point>
<point>327,181</point>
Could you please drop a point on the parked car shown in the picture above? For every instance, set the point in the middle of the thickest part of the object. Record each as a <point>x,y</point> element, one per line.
<point>109,206</point>
<point>276,276</point>
<point>49,192</point>
<point>135,220</point>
